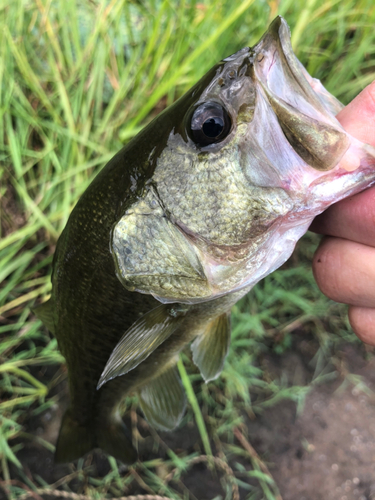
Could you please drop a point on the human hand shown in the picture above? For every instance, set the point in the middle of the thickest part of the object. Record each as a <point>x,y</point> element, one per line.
<point>344,263</point>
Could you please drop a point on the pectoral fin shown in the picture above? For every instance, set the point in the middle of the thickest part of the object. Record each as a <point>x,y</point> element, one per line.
<point>142,338</point>
<point>211,347</point>
<point>163,401</point>
<point>44,312</point>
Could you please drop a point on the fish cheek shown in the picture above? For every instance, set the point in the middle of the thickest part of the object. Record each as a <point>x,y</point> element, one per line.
<point>152,256</point>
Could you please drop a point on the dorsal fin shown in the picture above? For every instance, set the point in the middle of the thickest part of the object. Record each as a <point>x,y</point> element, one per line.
<point>44,312</point>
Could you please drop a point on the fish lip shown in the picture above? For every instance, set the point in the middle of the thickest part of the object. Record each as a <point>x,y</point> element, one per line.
<point>280,30</point>
<point>280,33</point>
<point>290,73</point>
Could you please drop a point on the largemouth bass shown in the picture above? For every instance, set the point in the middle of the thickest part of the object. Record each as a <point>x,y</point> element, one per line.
<point>203,203</point>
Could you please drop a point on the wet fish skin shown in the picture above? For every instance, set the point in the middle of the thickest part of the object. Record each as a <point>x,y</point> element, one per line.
<point>171,234</point>
<point>89,309</point>
<point>237,206</point>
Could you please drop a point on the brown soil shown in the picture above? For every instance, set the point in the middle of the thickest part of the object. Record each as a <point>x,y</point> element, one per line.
<point>327,452</point>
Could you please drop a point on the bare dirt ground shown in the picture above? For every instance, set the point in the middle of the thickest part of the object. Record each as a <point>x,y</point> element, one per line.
<point>327,452</point>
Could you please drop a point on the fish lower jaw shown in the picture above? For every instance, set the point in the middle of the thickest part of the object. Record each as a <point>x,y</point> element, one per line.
<point>339,185</point>
<point>225,279</point>
<point>269,256</point>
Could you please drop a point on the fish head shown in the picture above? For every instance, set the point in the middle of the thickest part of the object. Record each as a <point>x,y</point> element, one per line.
<point>254,155</point>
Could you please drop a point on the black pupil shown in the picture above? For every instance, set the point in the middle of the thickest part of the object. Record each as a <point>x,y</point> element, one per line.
<point>213,126</point>
<point>208,124</point>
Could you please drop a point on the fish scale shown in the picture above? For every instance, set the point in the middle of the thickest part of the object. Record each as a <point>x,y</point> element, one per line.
<point>204,202</point>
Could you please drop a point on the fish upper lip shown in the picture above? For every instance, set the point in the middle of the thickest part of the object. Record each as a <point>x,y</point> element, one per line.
<point>278,32</point>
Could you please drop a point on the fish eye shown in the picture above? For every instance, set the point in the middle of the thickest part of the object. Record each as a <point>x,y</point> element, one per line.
<point>210,123</point>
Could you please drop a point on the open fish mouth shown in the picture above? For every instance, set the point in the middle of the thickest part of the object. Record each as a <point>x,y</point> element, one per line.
<point>224,211</point>
<point>302,113</point>
<point>279,68</point>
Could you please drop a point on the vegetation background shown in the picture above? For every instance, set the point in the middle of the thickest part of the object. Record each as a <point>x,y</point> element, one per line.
<point>79,78</point>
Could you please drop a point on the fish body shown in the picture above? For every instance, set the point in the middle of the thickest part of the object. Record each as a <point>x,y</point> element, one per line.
<point>207,200</point>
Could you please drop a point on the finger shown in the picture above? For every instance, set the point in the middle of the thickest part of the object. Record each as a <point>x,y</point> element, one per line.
<point>345,271</point>
<point>362,320</point>
<point>352,218</point>
<point>358,117</point>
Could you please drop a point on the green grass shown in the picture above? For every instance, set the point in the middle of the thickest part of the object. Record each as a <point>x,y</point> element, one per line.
<point>78,80</point>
